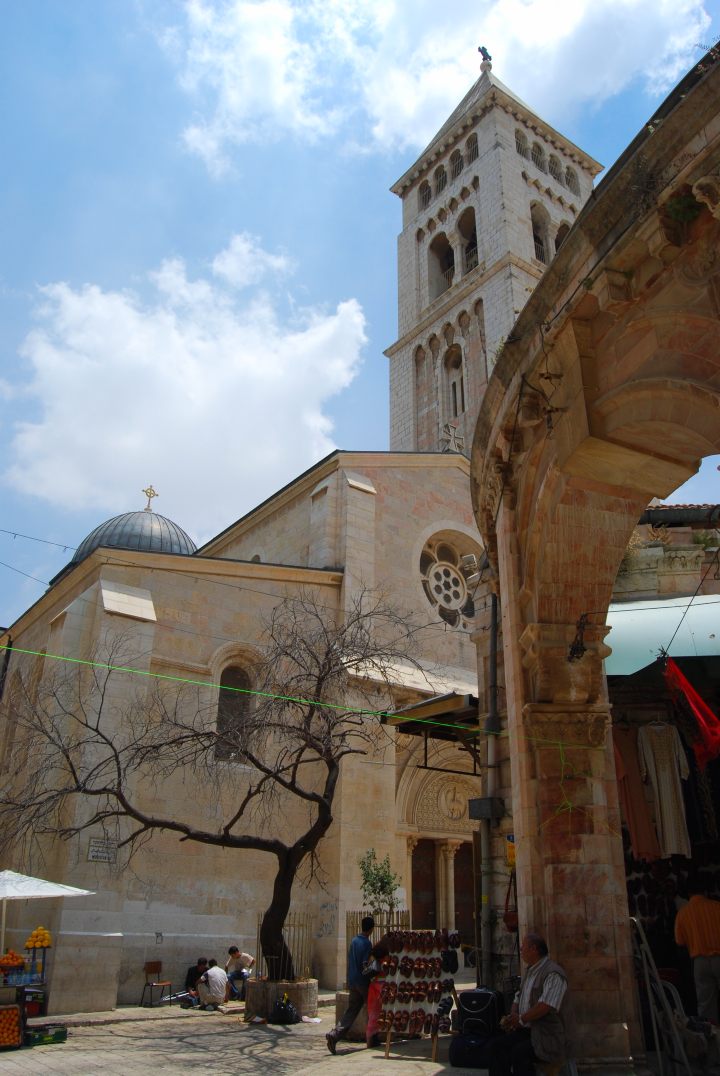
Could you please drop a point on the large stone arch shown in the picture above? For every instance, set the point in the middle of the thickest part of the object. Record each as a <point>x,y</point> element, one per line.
<point>606,394</point>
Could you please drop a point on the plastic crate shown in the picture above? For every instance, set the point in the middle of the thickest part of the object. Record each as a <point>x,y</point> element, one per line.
<point>11,1032</point>
<point>45,1035</point>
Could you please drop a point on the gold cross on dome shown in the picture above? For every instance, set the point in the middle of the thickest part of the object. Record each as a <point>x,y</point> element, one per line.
<point>150,493</point>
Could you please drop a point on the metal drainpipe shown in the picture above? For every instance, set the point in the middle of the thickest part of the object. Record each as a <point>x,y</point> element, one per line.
<point>492,730</point>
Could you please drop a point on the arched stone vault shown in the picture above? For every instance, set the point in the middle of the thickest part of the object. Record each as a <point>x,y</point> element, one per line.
<point>606,394</point>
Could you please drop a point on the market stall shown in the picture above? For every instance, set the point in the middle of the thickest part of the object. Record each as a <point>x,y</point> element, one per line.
<point>24,979</point>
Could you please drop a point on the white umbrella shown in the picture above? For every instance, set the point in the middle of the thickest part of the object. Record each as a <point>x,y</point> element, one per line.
<point>22,887</point>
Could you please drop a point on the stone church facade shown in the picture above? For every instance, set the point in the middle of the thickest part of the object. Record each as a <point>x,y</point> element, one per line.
<point>490,210</point>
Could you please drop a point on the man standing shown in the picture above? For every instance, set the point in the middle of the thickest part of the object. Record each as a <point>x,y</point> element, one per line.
<point>538,1026</point>
<point>358,984</point>
<point>697,927</point>
<point>237,968</point>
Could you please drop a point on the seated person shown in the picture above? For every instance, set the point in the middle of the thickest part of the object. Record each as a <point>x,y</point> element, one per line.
<point>238,967</point>
<point>191,981</point>
<point>212,986</point>
<point>539,1026</point>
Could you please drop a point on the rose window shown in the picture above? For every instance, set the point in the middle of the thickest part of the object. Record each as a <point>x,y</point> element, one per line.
<point>445,585</point>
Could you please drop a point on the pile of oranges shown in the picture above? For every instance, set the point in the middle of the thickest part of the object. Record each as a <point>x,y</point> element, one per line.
<point>39,939</point>
<point>11,959</point>
<point>10,1027</point>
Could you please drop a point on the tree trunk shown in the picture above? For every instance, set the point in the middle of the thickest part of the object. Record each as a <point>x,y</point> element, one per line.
<point>278,957</point>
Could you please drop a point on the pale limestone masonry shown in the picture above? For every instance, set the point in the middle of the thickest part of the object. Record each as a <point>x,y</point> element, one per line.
<point>483,208</point>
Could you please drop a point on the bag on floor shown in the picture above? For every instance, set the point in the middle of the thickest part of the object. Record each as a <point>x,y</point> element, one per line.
<point>479,1011</point>
<point>284,1012</point>
<point>470,1051</point>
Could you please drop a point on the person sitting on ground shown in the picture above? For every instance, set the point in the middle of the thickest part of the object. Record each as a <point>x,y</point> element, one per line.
<point>237,967</point>
<point>191,979</point>
<point>538,1027</point>
<point>212,987</point>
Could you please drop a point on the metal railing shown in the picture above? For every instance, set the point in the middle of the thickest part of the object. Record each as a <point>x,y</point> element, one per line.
<point>384,921</point>
<point>540,252</point>
<point>471,258</point>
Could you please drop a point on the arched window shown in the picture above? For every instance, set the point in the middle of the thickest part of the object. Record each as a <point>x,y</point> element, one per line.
<point>466,228</point>
<point>440,179</point>
<point>454,382</point>
<point>233,708</point>
<point>571,180</point>
<point>537,155</point>
<point>456,164</point>
<point>560,237</point>
<point>471,148</point>
<point>441,265</point>
<point>540,222</point>
<point>424,195</point>
<point>555,169</point>
<point>521,143</point>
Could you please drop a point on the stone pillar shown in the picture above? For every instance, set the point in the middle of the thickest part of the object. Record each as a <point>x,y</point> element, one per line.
<point>411,843</point>
<point>445,852</point>
<point>440,886</point>
<point>566,819</point>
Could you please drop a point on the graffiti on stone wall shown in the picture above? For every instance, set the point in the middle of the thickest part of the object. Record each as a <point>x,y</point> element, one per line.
<point>328,919</point>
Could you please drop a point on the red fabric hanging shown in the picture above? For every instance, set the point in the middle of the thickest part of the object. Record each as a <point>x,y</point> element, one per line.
<point>707,746</point>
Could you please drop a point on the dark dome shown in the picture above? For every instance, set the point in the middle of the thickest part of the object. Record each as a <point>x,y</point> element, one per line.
<point>145,531</point>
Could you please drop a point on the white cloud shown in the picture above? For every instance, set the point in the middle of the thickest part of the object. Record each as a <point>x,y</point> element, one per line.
<point>387,74</point>
<point>245,262</point>
<point>214,400</point>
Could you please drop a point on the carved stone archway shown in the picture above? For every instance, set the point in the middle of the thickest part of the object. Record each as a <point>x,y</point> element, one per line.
<point>606,394</point>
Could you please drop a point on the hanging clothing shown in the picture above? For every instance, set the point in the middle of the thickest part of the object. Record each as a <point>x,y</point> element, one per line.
<point>706,743</point>
<point>663,761</point>
<point>634,806</point>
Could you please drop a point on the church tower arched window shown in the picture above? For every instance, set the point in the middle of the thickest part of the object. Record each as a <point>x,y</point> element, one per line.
<point>467,230</point>
<point>454,382</point>
<point>441,265</point>
<point>540,232</point>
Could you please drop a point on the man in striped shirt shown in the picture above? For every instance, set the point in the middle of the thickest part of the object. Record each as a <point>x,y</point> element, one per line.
<point>697,927</point>
<point>538,1026</point>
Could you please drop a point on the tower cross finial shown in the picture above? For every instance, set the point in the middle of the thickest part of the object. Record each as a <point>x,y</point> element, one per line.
<point>150,493</point>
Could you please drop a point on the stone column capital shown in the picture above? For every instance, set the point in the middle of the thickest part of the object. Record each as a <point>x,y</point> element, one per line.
<point>412,843</point>
<point>449,848</point>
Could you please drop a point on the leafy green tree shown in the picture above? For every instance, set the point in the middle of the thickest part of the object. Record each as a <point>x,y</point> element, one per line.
<point>379,883</point>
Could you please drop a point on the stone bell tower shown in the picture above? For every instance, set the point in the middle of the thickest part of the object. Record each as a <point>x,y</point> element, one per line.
<point>485,207</point>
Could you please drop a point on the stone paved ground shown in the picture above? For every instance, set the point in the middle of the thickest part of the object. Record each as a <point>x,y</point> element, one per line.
<point>214,1044</point>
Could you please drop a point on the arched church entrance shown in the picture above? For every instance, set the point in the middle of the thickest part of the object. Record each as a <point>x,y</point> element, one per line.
<point>606,395</point>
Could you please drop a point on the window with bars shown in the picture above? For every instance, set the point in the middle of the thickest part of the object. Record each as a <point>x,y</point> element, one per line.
<point>521,144</point>
<point>537,155</point>
<point>471,148</point>
<point>555,169</point>
<point>424,195</point>
<point>571,180</point>
<point>440,179</point>
<point>456,164</point>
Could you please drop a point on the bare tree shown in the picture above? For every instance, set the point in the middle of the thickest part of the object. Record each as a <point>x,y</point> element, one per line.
<point>86,743</point>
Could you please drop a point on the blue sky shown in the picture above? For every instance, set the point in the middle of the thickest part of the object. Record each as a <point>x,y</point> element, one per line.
<point>197,272</point>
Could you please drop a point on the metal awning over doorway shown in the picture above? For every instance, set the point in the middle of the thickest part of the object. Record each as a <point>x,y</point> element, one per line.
<point>452,717</point>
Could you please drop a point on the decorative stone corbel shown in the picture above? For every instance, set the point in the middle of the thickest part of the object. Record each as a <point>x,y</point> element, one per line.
<point>555,679</point>
<point>707,191</point>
